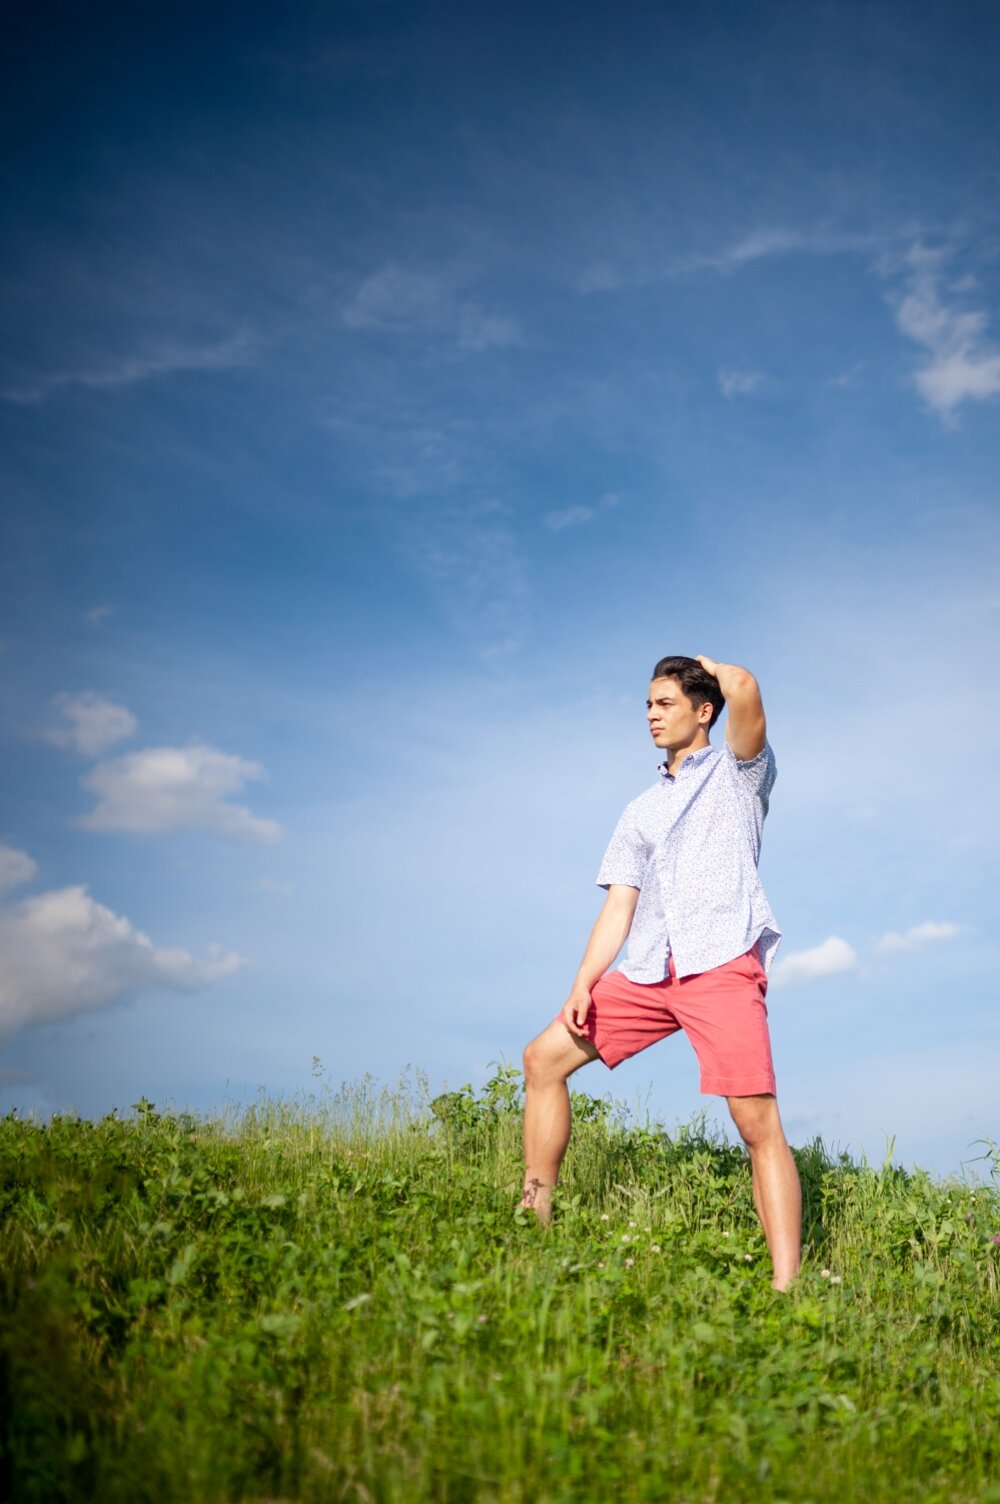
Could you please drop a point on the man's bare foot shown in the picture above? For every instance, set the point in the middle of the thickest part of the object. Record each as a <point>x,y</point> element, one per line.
<point>537,1198</point>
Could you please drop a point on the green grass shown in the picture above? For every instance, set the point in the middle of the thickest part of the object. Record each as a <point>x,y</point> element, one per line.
<point>334,1300</point>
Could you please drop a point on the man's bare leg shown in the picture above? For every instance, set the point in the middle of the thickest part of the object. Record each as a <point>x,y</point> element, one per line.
<point>776,1191</point>
<point>549,1061</point>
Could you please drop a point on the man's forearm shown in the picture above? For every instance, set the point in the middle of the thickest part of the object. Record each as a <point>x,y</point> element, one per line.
<point>606,940</point>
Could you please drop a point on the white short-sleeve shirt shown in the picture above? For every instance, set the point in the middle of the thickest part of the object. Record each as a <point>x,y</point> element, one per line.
<point>691,845</point>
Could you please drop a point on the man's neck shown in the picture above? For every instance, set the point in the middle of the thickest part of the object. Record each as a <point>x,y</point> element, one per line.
<point>678,755</point>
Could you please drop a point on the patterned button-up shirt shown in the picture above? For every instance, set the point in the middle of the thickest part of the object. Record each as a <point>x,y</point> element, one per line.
<point>691,844</point>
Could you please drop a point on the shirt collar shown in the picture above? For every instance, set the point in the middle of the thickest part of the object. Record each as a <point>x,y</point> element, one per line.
<point>690,761</point>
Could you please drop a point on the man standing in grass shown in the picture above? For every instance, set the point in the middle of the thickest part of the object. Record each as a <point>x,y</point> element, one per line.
<point>682,885</point>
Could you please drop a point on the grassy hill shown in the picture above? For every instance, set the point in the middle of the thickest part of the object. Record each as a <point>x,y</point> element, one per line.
<point>333,1300</point>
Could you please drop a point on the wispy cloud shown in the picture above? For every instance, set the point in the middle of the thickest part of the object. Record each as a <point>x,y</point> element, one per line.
<point>479,330</point>
<point>758,245</point>
<point>917,937</point>
<point>64,953</point>
<point>16,867</point>
<point>600,276</point>
<point>578,515</point>
<point>736,383</point>
<point>173,788</point>
<point>94,723</point>
<point>165,360</point>
<point>397,300</point>
<point>568,517</point>
<point>469,556</point>
<point>963,365</point>
<point>761,244</point>
<point>832,957</point>
<point>768,242</point>
<point>848,378</point>
<point>97,614</point>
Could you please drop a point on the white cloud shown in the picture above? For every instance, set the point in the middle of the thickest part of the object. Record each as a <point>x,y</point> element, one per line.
<point>168,359</point>
<point>600,276</point>
<point>397,301</point>
<point>94,723</point>
<point>569,517</point>
<point>97,614</point>
<point>604,276</point>
<point>826,960</point>
<point>917,937</point>
<point>470,557</point>
<point>478,330</point>
<point>169,788</point>
<point>758,245</point>
<point>733,383</point>
<point>963,365</point>
<point>16,867</point>
<point>765,244</point>
<point>848,378</point>
<point>64,953</point>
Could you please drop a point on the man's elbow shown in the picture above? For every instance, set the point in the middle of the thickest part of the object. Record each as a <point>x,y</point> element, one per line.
<point>743,685</point>
<point>621,901</point>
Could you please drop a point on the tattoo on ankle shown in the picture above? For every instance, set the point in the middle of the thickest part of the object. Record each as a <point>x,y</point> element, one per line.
<point>531,1190</point>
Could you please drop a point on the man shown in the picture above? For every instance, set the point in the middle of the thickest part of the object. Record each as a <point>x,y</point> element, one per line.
<point>682,886</point>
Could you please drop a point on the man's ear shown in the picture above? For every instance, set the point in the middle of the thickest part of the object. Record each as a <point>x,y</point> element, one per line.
<point>705,712</point>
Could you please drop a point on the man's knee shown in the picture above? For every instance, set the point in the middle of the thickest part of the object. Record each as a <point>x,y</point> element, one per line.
<point>532,1059</point>
<point>541,1061</point>
<point>554,1055</point>
<point>756,1119</point>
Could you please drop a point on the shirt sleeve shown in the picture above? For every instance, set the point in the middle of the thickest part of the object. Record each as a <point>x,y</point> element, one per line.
<point>758,773</point>
<point>625,859</point>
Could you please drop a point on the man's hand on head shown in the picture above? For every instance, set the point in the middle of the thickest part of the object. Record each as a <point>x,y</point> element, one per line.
<point>733,680</point>
<point>746,728</point>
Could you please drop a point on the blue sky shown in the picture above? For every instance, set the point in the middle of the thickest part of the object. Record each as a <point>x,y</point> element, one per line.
<point>386,387</point>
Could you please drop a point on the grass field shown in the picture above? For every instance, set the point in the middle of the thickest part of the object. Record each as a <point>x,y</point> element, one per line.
<point>333,1300</point>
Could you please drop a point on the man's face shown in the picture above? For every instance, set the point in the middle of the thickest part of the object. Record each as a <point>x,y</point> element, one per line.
<point>673,720</point>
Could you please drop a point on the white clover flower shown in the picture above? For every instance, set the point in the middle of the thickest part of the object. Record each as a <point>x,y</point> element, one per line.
<point>629,1263</point>
<point>836,1279</point>
<point>824,1273</point>
<point>655,1248</point>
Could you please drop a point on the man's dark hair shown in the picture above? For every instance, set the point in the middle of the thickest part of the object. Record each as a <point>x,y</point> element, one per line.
<point>698,685</point>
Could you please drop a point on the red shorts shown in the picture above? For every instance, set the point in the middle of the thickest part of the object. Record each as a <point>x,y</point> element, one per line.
<point>721,1011</point>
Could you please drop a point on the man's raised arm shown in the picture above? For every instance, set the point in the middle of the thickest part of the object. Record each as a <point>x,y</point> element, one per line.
<point>746,728</point>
